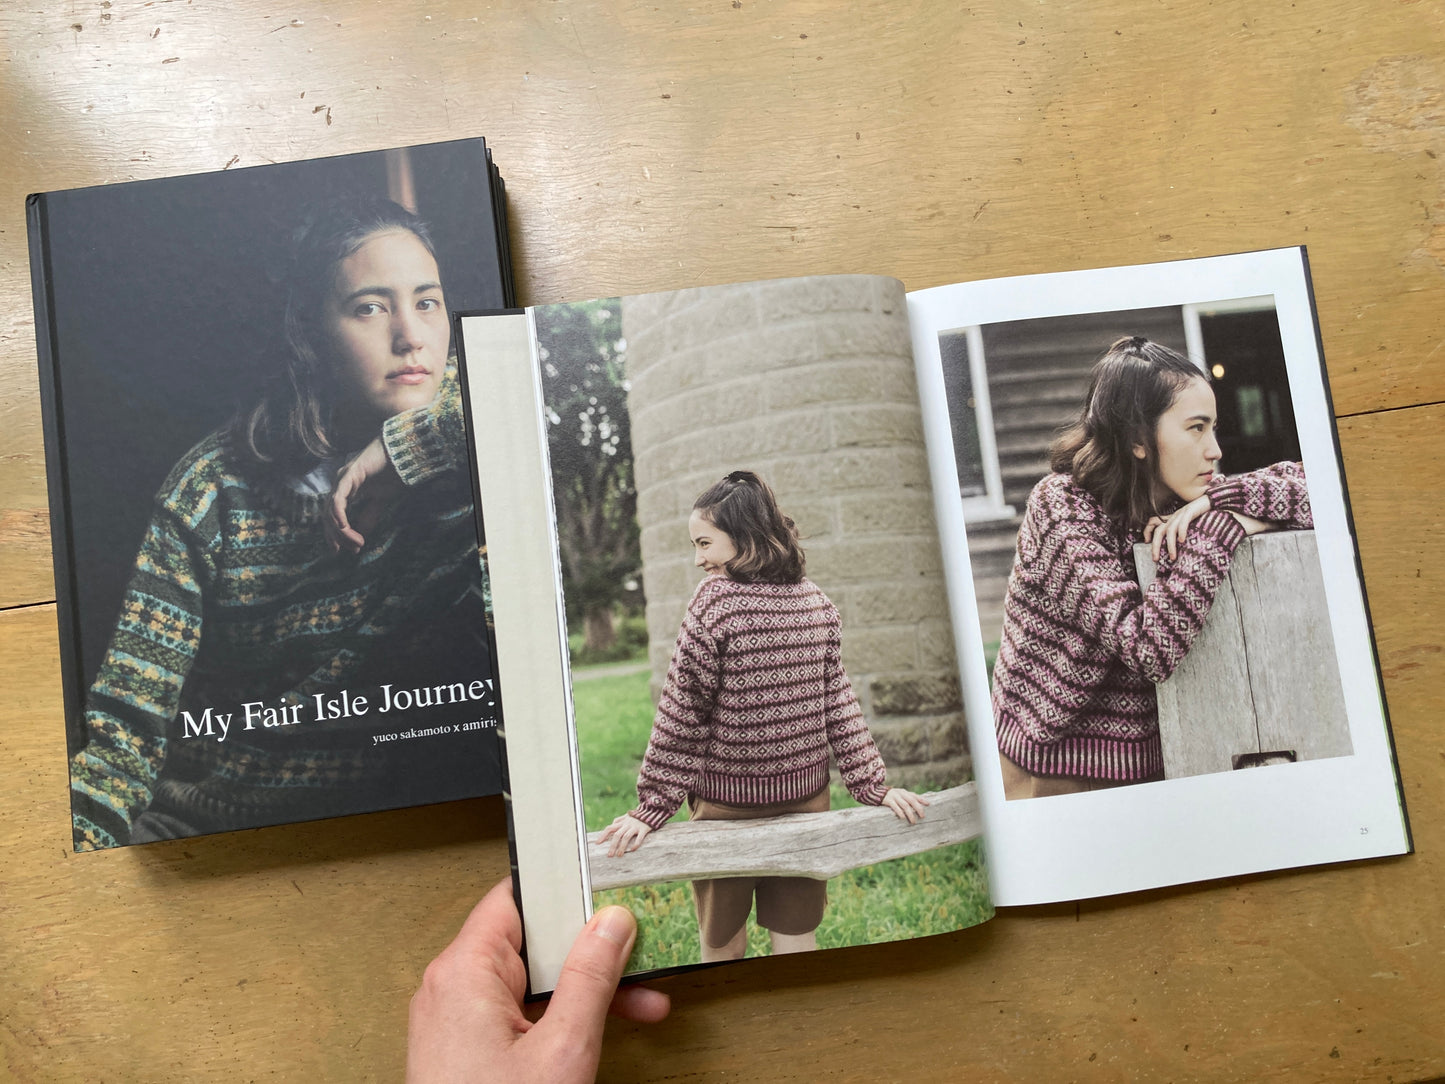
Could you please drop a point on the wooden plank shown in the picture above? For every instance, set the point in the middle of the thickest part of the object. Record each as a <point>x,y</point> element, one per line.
<point>1294,676</point>
<point>1261,680</point>
<point>820,845</point>
<point>1206,711</point>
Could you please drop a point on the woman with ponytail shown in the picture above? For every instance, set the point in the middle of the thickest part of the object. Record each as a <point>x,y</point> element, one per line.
<point>1083,644</point>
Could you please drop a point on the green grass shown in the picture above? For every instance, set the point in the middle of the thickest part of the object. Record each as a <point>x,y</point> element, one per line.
<point>922,894</point>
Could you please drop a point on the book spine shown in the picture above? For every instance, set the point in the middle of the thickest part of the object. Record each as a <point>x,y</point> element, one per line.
<point>56,476</point>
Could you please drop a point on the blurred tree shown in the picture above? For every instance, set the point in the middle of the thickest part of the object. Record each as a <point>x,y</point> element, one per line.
<point>589,435</point>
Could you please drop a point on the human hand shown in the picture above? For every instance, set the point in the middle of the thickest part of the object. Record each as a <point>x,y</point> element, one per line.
<point>466,1022</point>
<point>906,805</point>
<point>1162,531</point>
<point>626,833</point>
<point>365,488</point>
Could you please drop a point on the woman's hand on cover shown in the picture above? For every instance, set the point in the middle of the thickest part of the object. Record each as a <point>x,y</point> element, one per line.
<point>466,1019</point>
<point>1169,531</point>
<point>906,805</point>
<point>364,489</point>
<point>626,833</point>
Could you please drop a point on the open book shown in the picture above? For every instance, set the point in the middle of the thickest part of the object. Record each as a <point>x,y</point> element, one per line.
<point>1218,713</point>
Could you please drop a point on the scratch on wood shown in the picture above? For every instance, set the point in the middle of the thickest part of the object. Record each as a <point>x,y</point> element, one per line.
<point>1398,106</point>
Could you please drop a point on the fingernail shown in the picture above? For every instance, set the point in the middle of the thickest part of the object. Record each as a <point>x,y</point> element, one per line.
<point>616,924</point>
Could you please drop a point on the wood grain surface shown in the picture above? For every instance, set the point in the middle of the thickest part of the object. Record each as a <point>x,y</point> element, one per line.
<point>650,145</point>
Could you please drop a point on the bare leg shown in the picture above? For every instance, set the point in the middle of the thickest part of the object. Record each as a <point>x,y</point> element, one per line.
<point>735,949</point>
<point>793,942</point>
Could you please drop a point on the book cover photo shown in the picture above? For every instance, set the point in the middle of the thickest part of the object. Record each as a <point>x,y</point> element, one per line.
<point>219,355</point>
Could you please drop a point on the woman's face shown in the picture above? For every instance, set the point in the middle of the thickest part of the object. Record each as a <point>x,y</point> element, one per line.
<point>1188,450</point>
<point>712,548</point>
<point>385,322</point>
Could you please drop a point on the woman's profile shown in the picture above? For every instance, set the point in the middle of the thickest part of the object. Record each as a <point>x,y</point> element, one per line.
<point>1083,645</point>
<point>755,699</point>
<point>320,545</point>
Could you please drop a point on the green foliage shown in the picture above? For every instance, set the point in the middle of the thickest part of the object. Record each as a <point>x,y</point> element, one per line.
<point>630,645</point>
<point>589,438</point>
<point>922,894</point>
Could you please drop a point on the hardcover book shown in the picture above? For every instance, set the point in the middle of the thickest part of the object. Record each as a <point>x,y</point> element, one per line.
<point>830,614</point>
<point>220,355</point>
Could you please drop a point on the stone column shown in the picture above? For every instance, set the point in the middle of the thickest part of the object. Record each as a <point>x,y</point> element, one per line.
<point>810,383</point>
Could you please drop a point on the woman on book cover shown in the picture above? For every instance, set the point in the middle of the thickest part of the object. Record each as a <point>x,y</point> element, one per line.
<point>269,578</point>
<point>1083,645</point>
<point>755,698</point>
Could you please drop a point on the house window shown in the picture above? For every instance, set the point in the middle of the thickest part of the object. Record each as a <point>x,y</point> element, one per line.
<point>980,482</point>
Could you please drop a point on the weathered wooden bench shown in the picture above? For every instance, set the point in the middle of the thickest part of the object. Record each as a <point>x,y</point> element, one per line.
<point>819,845</point>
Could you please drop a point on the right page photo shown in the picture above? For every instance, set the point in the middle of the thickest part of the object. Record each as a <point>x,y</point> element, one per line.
<point>1168,668</point>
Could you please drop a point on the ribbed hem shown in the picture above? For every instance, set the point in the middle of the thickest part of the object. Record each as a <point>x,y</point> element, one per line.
<point>764,790</point>
<point>1083,756</point>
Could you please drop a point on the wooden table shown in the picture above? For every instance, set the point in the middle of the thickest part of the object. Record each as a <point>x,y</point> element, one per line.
<point>655,145</point>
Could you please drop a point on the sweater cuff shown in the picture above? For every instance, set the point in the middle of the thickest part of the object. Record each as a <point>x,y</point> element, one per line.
<point>1219,527</point>
<point>872,794</point>
<point>651,816</point>
<point>1229,495</point>
<point>416,445</point>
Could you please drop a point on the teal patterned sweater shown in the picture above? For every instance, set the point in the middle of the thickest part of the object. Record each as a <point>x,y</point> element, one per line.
<point>236,598</point>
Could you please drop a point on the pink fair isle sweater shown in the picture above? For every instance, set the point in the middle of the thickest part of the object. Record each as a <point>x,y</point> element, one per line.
<point>755,697</point>
<point>1083,645</point>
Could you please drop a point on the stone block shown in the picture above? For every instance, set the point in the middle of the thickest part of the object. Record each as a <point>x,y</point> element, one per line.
<point>786,299</point>
<point>869,649</point>
<point>935,645</point>
<point>856,381</point>
<point>912,601</point>
<point>932,774</point>
<point>843,470</point>
<point>877,424</point>
<point>713,315</point>
<point>914,693</point>
<point>816,518</point>
<point>909,512</point>
<point>902,740</point>
<point>698,410</point>
<point>889,296</point>
<point>850,560</point>
<point>858,335</point>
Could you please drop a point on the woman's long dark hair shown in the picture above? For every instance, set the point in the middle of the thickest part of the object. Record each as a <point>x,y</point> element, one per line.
<point>743,507</point>
<point>289,428</point>
<point>1134,383</point>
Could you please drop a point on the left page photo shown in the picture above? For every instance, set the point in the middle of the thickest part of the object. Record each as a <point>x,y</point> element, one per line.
<point>219,355</point>
<point>727,672</point>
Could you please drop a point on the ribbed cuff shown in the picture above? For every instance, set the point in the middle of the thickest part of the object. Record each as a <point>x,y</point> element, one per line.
<point>416,445</point>
<point>653,816</point>
<point>1229,495</point>
<point>1219,526</point>
<point>872,794</point>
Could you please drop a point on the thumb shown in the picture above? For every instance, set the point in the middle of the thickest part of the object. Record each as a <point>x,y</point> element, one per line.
<point>586,986</point>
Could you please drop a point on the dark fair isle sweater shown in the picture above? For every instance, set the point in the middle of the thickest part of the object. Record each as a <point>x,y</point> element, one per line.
<point>236,598</point>
<point>755,697</point>
<point>1083,646</point>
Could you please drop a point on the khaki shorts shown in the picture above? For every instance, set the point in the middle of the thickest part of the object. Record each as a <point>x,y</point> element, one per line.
<point>786,905</point>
